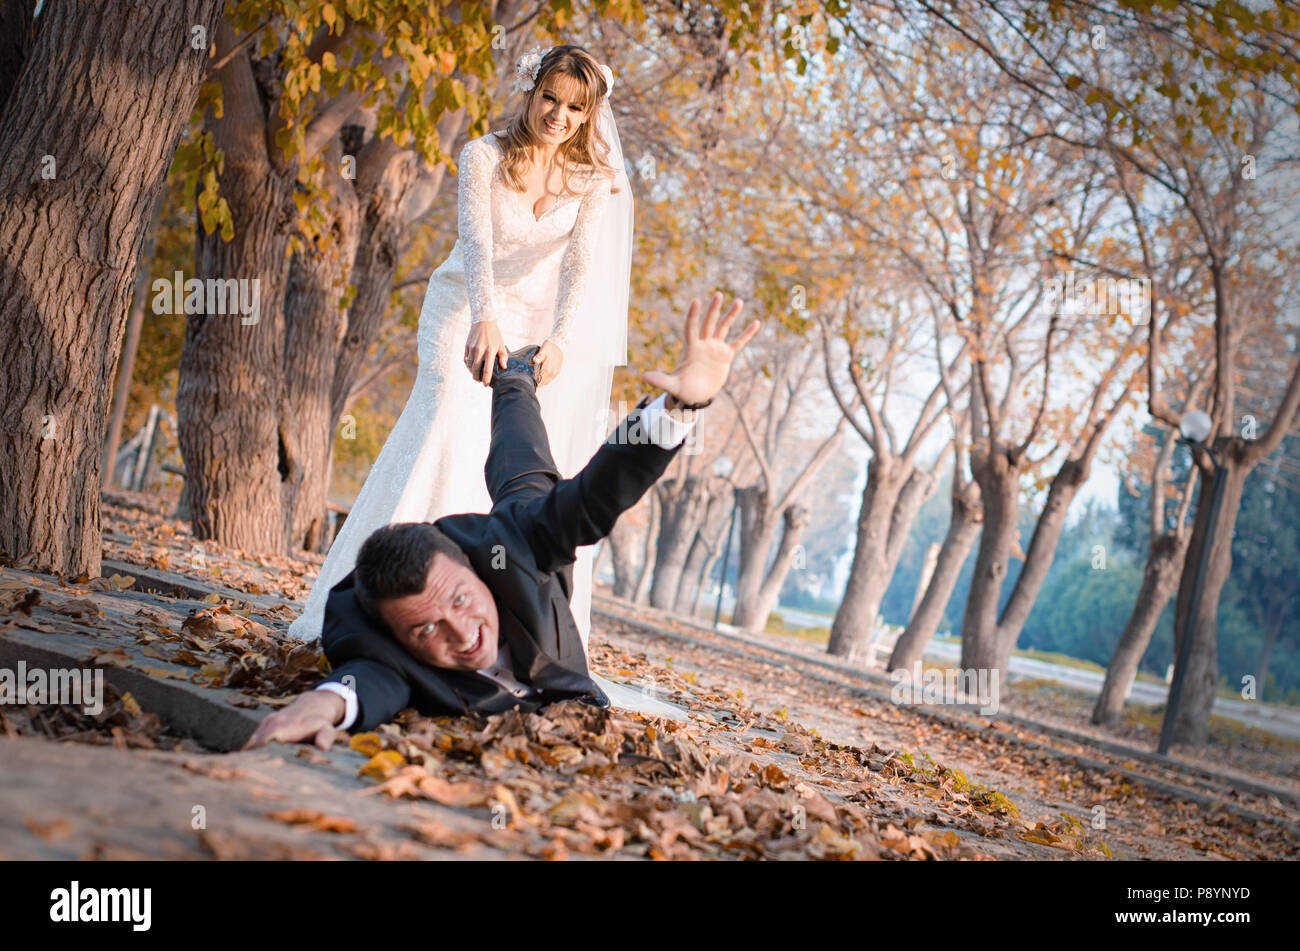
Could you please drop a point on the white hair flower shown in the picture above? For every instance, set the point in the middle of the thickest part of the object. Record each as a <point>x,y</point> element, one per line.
<point>526,69</point>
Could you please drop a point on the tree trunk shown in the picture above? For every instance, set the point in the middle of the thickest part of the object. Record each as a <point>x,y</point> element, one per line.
<point>702,550</point>
<point>231,400</point>
<point>648,552</point>
<point>681,510</point>
<point>1192,726</point>
<point>795,520</point>
<point>855,619</point>
<point>1159,582</point>
<point>967,516</point>
<point>928,561</point>
<point>1042,552</point>
<point>705,570</point>
<point>85,145</point>
<point>916,492</point>
<point>386,179</point>
<point>999,484</point>
<point>757,527</point>
<point>315,325</point>
<point>621,549</point>
<point>17,33</point>
<point>1272,631</point>
<point>126,363</point>
<point>688,585</point>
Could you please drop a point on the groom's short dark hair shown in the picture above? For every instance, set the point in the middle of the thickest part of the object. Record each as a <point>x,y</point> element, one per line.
<point>394,562</point>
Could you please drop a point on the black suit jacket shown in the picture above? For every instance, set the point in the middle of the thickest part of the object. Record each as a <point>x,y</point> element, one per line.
<point>522,550</point>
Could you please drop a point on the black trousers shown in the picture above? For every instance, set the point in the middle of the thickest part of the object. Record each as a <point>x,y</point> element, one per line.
<point>519,460</point>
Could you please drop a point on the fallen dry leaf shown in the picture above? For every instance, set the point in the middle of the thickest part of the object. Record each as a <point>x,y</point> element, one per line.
<point>315,819</point>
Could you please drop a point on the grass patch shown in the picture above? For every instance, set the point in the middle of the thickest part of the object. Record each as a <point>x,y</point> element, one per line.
<point>1222,730</point>
<point>1063,660</point>
<point>816,635</point>
<point>987,800</point>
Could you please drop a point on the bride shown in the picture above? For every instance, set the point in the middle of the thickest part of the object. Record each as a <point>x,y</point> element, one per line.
<point>543,256</point>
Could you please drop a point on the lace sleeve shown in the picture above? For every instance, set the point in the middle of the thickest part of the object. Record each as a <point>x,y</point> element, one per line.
<point>577,260</point>
<point>476,167</point>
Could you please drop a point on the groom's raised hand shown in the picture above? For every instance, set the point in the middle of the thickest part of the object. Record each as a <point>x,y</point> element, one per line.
<point>706,359</point>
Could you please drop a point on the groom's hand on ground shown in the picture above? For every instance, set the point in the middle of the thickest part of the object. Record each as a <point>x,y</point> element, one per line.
<point>706,359</point>
<point>310,717</point>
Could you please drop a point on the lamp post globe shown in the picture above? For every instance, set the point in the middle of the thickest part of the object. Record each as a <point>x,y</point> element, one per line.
<point>1196,425</point>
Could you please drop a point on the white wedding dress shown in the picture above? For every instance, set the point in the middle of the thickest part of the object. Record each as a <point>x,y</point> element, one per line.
<point>527,272</point>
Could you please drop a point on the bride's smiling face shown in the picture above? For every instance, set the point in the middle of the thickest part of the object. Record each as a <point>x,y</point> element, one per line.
<point>557,110</point>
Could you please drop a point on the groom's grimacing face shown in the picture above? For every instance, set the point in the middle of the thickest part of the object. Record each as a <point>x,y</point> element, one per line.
<point>452,623</point>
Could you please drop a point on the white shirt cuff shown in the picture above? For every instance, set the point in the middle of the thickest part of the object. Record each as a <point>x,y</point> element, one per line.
<point>665,431</point>
<point>349,698</point>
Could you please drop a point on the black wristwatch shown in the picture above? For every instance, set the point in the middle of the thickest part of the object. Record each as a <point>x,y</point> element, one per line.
<point>681,405</point>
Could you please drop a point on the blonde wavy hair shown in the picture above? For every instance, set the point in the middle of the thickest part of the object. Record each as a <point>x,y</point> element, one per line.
<point>586,149</point>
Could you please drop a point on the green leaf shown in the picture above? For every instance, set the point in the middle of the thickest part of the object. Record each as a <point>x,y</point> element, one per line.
<point>227,222</point>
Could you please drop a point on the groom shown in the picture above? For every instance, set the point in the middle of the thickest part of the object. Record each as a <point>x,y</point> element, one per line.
<point>471,612</point>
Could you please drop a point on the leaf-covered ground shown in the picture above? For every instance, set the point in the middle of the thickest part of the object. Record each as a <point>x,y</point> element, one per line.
<point>770,765</point>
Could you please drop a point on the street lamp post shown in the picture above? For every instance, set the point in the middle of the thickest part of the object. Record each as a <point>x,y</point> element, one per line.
<point>722,468</point>
<point>1195,427</point>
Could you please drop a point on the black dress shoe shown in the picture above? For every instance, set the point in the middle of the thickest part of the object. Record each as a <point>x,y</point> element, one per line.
<point>519,362</point>
<point>597,699</point>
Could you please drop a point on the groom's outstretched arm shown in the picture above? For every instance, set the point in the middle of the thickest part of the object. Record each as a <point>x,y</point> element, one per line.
<point>583,510</point>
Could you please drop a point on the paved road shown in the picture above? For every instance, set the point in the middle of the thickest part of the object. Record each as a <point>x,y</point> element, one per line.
<point>1280,721</point>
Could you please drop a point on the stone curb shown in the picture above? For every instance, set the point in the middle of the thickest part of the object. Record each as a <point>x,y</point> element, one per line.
<point>176,585</point>
<point>202,713</point>
<point>199,712</point>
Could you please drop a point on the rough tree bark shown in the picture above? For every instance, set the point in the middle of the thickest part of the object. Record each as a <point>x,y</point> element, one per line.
<point>1159,583</point>
<point>704,549</point>
<point>1237,457</point>
<point>273,496</point>
<point>987,636</point>
<point>868,575</point>
<point>370,220</point>
<point>1165,558</point>
<point>126,362</point>
<point>757,582</point>
<point>315,326</point>
<point>642,593</point>
<point>760,504</point>
<point>1192,725</point>
<point>230,396</point>
<point>17,34</point>
<point>681,508</point>
<point>794,521</point>
<point>896,487</point>
<point>964,525</point>
<point>996,470</point>
<point>622,545</point>
<point>85,145</point>
<point>928,560</point>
